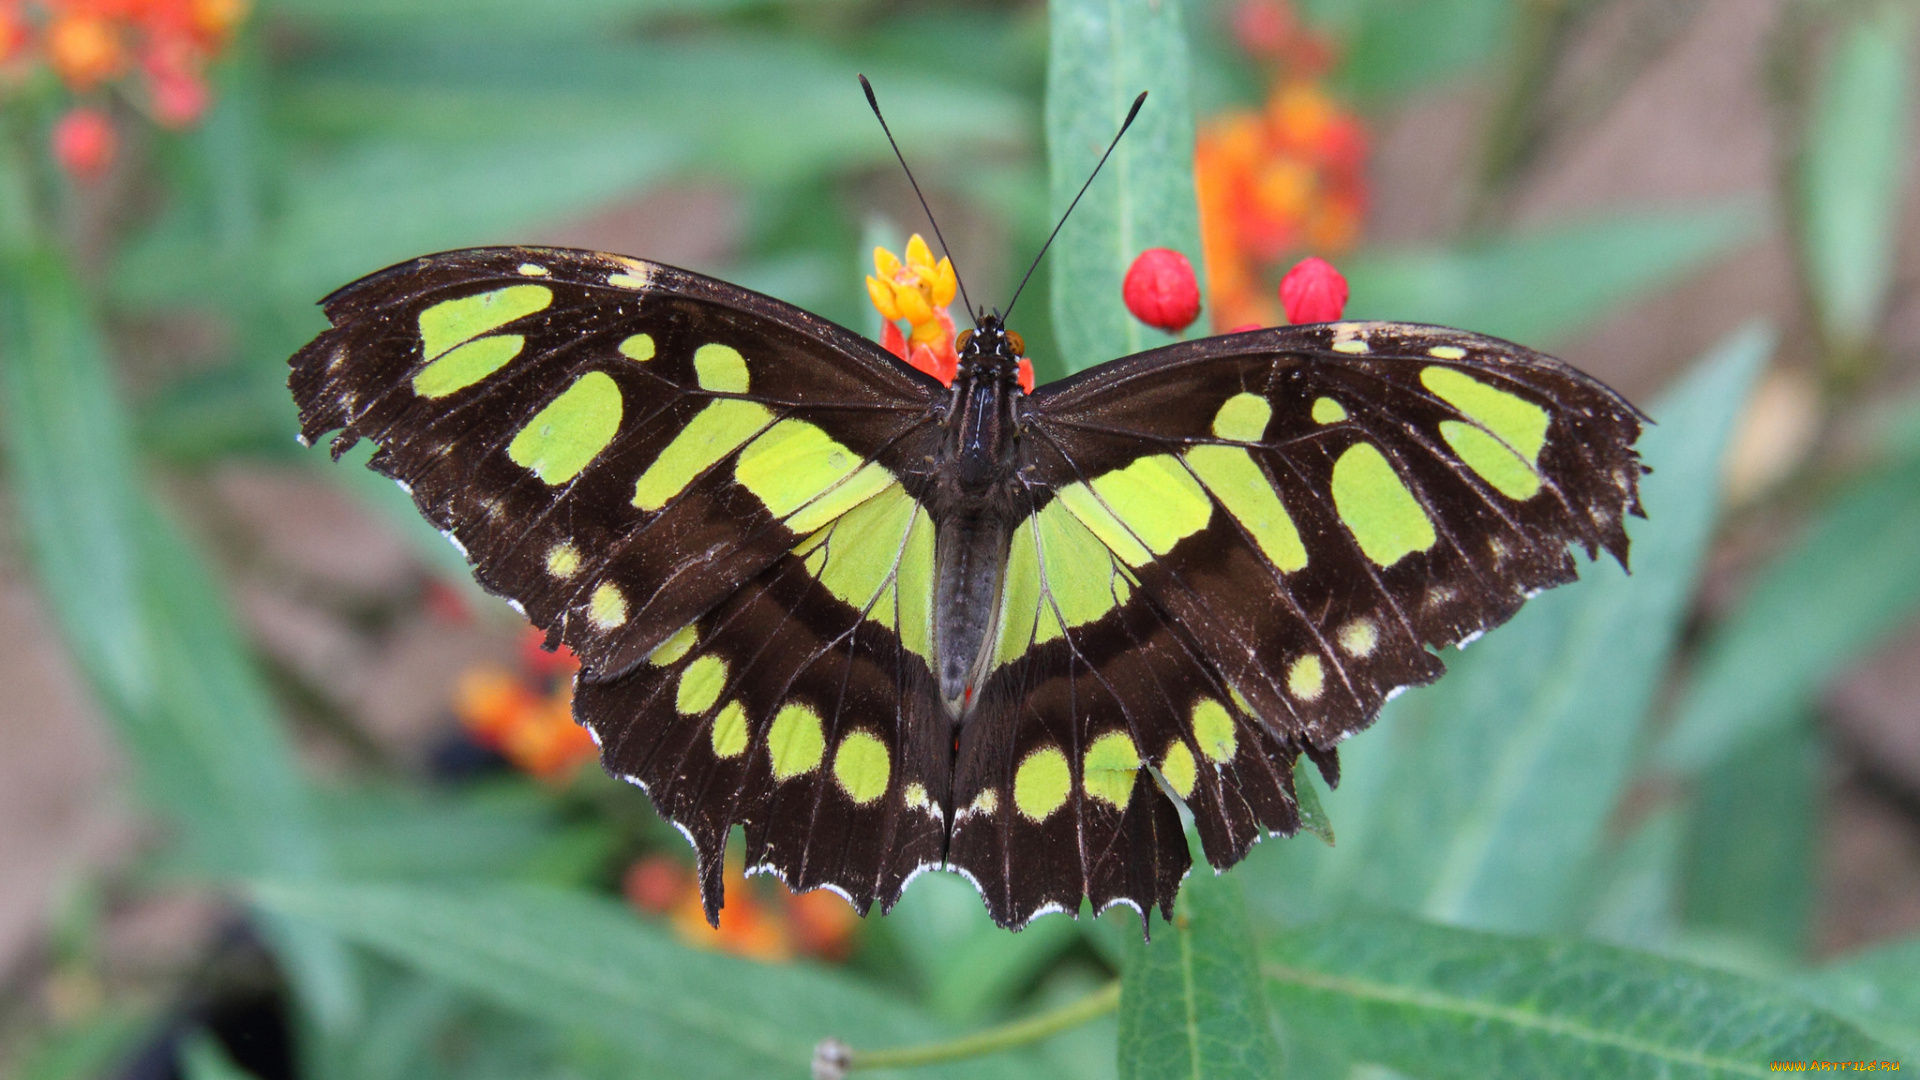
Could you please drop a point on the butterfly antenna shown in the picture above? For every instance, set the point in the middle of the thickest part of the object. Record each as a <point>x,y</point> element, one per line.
<point>875,103</point>
<point>1124,125</point>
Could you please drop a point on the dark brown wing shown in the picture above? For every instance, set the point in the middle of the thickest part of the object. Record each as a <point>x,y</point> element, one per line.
<point>616,445</point>
<point>1246,544</point>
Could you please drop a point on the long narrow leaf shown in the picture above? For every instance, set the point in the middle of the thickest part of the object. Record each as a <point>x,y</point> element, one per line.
<point>1104,53</point>
<point>140,613</point>
<point>583,963</point>
<point>1851,169</point>
<point>1852,580</point>
<point>1440,1003</point>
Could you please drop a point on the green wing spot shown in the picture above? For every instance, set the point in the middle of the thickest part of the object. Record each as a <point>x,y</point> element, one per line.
<point>1243,418</point>
<point>1109,768</point>
<point>870,480</point>
<point>1019,595</point>
<point>1178,768</point>
<point>1516,421</point>
<point>913,585</point>
<point>466,365</point>
<point>570,432</point>
<point>1158,499</point>
<point>638,347</point>
<point>452,322</point>
<point>677,645</point>
<point>862,767</point>
<point>730,731</point>
<point>1213,731</point>
<point>1078,571</point>
<point>721,369</point>
<point>1141,510</point>
<point>700,685</point>
<point>1328,411</point>
<point>1447,352</point>
<point>1306,678</point>
<point>854,557</point>
<point>1081,503</point>
<point>793,463</point>
<point>1041,784</point>
<point>1377,508</point>
<point>1243,488</point>
<point>713,433</point>
<point>795,742</point>
<point>1490,457</point>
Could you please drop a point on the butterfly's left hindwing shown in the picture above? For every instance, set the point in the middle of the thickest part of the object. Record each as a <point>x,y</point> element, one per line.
<point>802,709</point>
<point>616,445</point>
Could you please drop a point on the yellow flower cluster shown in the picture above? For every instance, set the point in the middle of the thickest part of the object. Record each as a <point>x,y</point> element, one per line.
<point>913,289</point>
<point>917,290</point>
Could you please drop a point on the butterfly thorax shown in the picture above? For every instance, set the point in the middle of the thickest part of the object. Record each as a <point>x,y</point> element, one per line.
<point>973,508</point>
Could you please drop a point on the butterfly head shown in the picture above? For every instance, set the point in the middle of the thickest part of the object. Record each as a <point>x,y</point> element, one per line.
<point>990,351</point>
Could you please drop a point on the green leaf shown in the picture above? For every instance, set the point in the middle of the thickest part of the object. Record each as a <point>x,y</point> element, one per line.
<point>1851,170</point>
<point>1103,54</point>
<point>1750,860</point>
<point>403,144</point>
<point>1548,284</point>
<point>143,618</point>
<point>1440,1003</point>
<point>1191,1004</point>
<point>72,475</point>
<point>967,966</point>
<point>1481,800</point>
<point>1853,579</point>
<point>377,833</point>
<point>1878,989</point>
<point>587,964</point>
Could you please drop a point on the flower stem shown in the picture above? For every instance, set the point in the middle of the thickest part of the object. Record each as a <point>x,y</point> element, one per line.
<point>993,1040</point>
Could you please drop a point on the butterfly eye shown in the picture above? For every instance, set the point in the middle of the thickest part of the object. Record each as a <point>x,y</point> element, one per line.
<point>965,336</point>
<point>1019,345</point>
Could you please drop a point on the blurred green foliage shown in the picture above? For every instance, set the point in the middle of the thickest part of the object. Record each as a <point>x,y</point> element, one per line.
<point>1505,897</point>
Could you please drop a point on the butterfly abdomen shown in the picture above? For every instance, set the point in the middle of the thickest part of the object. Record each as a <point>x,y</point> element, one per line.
<point>974,509</point>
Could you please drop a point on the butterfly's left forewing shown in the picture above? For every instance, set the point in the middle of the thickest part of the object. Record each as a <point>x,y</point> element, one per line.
<point>616,445</point>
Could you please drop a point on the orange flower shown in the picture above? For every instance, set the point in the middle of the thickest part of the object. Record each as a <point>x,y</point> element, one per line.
<point>761,919</point>
<point>532,728</point>
<point>1279,181</point>
<point>919,291</point>
<point>85,49</point>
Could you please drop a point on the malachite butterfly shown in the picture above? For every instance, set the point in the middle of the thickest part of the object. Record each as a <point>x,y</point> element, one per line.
<point>887,625</point>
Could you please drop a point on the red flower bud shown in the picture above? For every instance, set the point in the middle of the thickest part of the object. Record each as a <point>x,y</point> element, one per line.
<point>1313,291</point>
<point>84,143</point>
<point>1160,290</point>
